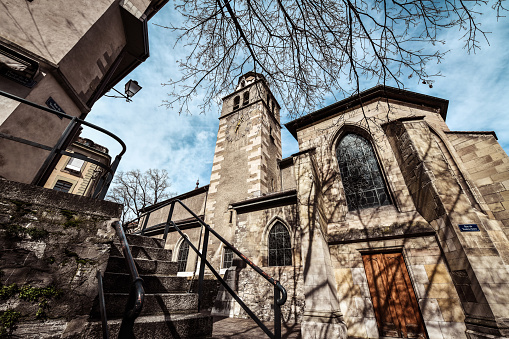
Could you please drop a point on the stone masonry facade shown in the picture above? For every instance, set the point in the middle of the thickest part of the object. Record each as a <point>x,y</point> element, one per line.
<point>440,241</point>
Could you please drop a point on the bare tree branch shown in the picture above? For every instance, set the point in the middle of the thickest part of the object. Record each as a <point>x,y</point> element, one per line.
<point>136,190</point>
<point>307,49</point>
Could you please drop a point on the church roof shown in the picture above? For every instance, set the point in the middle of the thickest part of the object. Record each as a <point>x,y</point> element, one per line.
<point>182,196</point>
<point>365,97</point>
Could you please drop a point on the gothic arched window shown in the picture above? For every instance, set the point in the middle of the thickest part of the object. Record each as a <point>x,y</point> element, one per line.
<point>361,176</point>
<point>280,246</point>
<point>182,256</point>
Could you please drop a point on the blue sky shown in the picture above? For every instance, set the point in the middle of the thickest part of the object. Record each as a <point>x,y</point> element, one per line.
<point>476,86</point>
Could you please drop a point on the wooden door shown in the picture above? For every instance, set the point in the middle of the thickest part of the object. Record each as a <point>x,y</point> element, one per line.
<point>396,310</point>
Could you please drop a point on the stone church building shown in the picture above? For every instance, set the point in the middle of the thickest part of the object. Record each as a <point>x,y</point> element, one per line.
<point>385,224</point>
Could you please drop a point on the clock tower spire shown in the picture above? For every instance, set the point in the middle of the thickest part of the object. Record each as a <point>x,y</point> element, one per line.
<point>248,148</point>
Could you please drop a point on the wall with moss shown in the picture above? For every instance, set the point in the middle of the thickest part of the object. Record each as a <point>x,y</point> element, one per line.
<point>51,246</point>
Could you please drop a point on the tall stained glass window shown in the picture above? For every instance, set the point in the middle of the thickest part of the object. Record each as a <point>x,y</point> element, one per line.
<point>362,179</point>
<point>182,257</point>
<point>280,247</point>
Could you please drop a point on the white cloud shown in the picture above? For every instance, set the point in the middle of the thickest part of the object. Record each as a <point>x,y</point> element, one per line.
<point>476,85</point>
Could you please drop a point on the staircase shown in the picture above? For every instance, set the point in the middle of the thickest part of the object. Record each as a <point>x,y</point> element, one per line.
<point>168,310</point>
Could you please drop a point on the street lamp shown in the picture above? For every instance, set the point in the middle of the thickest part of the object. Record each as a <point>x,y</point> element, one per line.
<point>131,88</point>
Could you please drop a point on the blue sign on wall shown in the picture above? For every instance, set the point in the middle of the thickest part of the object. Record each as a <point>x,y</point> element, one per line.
<point>51,103</point>
<point>469,228</point>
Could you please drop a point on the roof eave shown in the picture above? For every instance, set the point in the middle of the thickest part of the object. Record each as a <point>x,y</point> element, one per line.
<point>354,101</point>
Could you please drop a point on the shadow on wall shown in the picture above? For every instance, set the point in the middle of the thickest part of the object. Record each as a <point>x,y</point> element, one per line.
<point>361,286</point>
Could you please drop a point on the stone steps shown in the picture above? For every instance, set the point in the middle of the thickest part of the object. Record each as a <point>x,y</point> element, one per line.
<point>149,253</point>
<point>154,304</point>
<point>175,326</point>
<point>168,310</point>
<point>138,240</point>
<point>121,283</point>
<point>144,266</point>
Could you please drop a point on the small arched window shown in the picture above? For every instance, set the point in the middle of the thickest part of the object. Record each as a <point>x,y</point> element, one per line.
<point>246,98</point>
<point>280,246</point>
<point>361,176</point>
<point>182,256</point>
<point>236,102</point>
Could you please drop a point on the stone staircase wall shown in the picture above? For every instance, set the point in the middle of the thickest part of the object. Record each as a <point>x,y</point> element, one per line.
<point>51,245</point>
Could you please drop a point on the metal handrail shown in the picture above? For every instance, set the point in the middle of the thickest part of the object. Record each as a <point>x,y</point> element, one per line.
<point>148,214</point>
<point>280,294</point>
<point>134,304</point>
<point>102,306</point>
<point>74,123</point>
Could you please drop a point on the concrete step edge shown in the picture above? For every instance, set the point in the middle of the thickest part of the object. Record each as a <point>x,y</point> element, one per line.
<point>139,252</point>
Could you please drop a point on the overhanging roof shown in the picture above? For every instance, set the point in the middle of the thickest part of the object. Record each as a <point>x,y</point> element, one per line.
<point>270,200</point>
<point>134,53</point>
<point>379,91</point>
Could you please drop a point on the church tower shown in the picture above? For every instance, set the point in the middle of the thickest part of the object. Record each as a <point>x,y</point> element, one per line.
<point>247,151</point>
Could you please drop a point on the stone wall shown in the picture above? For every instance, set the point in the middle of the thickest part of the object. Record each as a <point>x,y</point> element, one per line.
<point>322,317</point>
<point>51,245</point>
<point>210,289</point>
<point>445,204</point>
<point>287,176</point>
<point>251,239</point>
<point>258,293</point>
<point>488,167</point>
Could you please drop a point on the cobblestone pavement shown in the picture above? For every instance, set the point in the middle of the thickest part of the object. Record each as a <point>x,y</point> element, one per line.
<point>226,328</point>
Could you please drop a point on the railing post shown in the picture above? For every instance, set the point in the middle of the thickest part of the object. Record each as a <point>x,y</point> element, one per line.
<point>277,313</point>
<point>38,179</point>
<point>203,259</point>
<point>145,222</point>
<point>102,305</point>
<point>105,181</point>
<point>168,220</point>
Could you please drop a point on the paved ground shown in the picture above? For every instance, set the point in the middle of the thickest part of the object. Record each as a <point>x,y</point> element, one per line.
<point>226,328</point>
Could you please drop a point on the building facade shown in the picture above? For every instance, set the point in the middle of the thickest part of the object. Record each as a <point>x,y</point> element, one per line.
<point>384,224</point>
<point>62,56</point>
<point>77,176</point>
